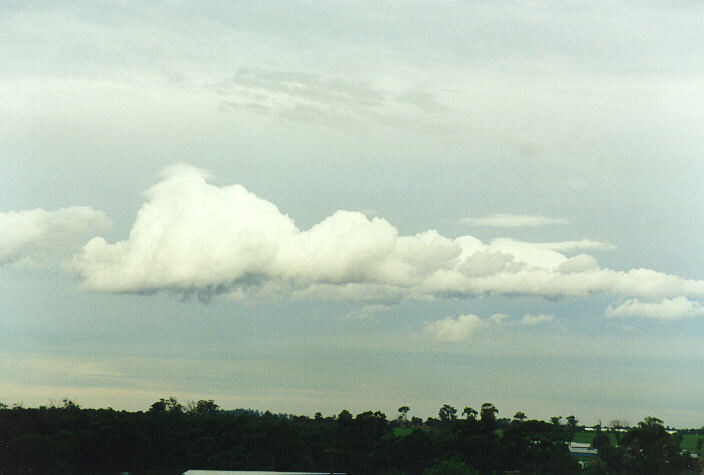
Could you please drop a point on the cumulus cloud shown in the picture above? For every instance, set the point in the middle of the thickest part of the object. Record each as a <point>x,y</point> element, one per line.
<point>37,236</point>
<point>366,312</point>
<point>194,237</point>
<point>508,220</point>
<point>463,327</point>
<point>580,263</point>
<point>498,318</point>
<point>454,329</point>
<point>530,319</point>
<point>666,309</point>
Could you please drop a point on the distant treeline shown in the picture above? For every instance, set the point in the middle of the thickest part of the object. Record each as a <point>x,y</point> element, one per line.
<point>65,438</point>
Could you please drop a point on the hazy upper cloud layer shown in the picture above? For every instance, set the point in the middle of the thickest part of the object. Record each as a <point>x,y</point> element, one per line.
<point>37,236</point>
<point>191,236</point>
<point>508,220</point>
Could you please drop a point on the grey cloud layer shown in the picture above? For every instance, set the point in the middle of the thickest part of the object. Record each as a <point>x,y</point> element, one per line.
<point>36,236</point>
<point>191,236</point>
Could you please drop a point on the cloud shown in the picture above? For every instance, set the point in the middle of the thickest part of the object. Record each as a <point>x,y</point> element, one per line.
<point>194,237</point>
<point>323,99</point>
<point>667,309</point>
<point>498,318</point>
<point>508,220</point>
<point>37,236</point>
<point>454,329</point>
<point>463,327</point>
<point>366,312</point>
<point>530,319</point>
<point>580,263</point>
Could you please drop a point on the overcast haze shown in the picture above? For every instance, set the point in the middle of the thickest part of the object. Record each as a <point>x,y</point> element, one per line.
<point>303,206</point>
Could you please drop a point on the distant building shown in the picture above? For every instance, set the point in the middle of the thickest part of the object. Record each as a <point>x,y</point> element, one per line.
<point>581,449</point>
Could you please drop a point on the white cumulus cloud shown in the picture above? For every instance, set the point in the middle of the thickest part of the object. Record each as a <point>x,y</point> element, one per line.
<point>194,237</point>
<point>454,329</point>
<point>498,318</point>
<point>508,220</point>
<point>530,319</point>
<point>666,309</point>
<point>37,236</point>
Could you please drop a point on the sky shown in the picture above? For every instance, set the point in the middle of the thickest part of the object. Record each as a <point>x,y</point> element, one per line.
<point>316,206</point>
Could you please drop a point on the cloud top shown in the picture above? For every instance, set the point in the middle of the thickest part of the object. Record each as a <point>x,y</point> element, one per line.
<point>191,236</point>
<point>508,220</point>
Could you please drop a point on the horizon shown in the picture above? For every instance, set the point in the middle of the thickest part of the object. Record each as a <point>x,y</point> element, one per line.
<point>391,416</point>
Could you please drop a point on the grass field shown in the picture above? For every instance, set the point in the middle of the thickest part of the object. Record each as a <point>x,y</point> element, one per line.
<point>689,442</point>
<point>587,437</point>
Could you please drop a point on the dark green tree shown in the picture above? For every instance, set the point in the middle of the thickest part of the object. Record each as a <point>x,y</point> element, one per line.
<point>488,416</point>
<point>572,422</point>
<point>447,414</point>
<point>205,407</point>
<point>403,415</point>
<point>469,413</point>
<point>520,416</point>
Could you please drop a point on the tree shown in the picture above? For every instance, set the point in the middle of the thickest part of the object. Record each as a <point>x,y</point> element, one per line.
<point>572,422</point>
<point>69,405</point>
<point>488,416</point>
<point>403,415</point>
<point>205,407</point>
<point>158,406</point>
<point>520,416</point>
<point>616,426</point>
<point>469,413</point>
<point>447,414</point>
<point>345,417</point>
<point>166,405</point>
<point>652,450</point>
<point>556,420</point>
<point>646,448</point>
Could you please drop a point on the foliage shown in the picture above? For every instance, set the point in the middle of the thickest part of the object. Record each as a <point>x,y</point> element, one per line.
<point>647,448</point>
<point>65,438</point>
<point>453,466</point>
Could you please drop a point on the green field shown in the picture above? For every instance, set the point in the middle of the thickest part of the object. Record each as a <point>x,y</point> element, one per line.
<point>587,437</point>
<point>689,442</point>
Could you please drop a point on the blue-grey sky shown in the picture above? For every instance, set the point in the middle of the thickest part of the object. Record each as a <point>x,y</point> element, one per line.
<point>304,206</point>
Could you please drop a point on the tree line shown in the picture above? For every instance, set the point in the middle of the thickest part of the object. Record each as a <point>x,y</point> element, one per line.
<point>170,438</point>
